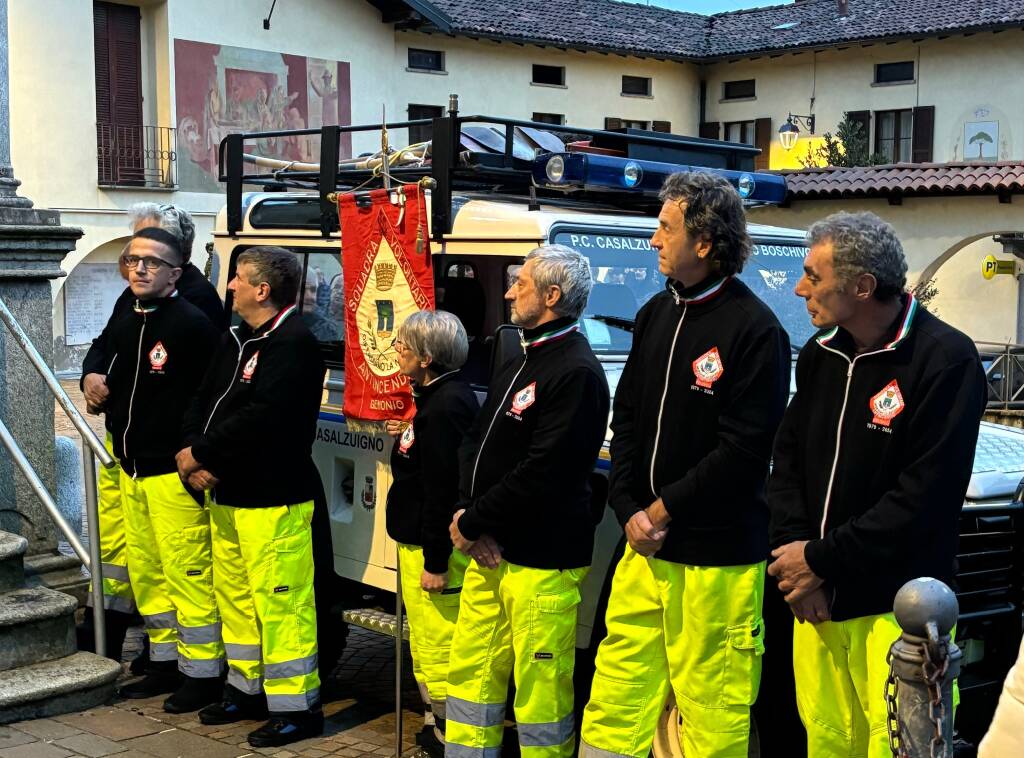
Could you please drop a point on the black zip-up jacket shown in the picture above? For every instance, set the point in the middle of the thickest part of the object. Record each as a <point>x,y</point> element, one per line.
<point>253,420</point>
<point>425,468</point>
<point>701,395</point>
<point>191,285</point>
<point>526,462</point>
<point>874,456</point>
<point>160,351</point>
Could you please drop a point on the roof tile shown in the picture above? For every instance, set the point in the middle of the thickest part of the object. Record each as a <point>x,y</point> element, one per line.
<point>906,179</point>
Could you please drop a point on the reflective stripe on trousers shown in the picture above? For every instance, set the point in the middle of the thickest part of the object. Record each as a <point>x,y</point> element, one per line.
<point>661,636</point>
<point>117,587</point>
<point>432,617</point>
<point>516,621</point>
<point>170,561</point>
<point>263,572</point>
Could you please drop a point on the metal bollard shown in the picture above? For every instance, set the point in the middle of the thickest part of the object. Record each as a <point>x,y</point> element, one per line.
<point>923,663</point>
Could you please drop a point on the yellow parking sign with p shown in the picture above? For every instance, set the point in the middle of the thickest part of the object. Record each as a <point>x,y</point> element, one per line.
<point>990,266</point>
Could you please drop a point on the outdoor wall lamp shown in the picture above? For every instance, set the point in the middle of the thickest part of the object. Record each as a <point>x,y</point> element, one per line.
<point>789,131</point>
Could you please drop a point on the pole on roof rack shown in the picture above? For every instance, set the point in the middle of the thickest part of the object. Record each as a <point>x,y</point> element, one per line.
<point>328,182</point>
<point>233,143</point>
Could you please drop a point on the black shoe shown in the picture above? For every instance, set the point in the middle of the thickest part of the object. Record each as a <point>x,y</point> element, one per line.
<point>234,706</point>
<point>194,694</point>
<point>141,662</point>
<point>430,743</point>
<point>286,728</point>
<point>162,677</point>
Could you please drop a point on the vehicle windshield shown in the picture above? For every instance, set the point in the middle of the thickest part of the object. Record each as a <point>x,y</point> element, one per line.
<point>626,276</point>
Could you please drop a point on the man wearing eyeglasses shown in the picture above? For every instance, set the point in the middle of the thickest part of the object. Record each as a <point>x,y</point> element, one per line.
<point>118,600</point>
<point>160,350</point>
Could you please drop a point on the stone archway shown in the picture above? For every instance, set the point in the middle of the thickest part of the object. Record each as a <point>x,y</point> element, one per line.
<point>83,303</point>
<point>932,268</point>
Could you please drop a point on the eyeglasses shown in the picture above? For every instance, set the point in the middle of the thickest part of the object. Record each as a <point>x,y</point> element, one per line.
<point>150,262</point>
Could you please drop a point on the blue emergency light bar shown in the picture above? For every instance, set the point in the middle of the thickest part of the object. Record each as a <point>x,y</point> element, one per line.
<point>605,173</point>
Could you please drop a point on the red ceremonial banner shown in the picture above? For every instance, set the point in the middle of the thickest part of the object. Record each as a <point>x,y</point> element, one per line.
<point>386,280</point>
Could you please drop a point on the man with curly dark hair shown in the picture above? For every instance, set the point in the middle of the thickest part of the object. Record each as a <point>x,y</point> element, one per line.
<point>695,412</point>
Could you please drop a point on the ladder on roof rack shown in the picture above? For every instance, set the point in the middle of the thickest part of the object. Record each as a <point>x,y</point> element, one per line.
<point>492,154</point>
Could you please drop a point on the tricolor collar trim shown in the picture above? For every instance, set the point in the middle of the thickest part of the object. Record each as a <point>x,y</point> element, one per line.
<point>906,321</point>
<point>278,319</point>
<point>552,336</point>
<point>708,293</point>
<point>138,307</point>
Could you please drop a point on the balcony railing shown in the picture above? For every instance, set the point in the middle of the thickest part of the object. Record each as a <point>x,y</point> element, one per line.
<point>1004,372</point>
<point>136,156</point>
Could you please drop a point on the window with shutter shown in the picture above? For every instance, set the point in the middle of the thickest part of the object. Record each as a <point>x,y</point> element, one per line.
<point>924,129</point>
<point>661,126</point>
<point>711,130</point>
<point>763,141</point>
<point>612,123</point>
<point>117,47</point>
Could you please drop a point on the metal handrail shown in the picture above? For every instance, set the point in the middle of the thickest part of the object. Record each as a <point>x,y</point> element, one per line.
<point>1004,374</point>
<point>90,450</point>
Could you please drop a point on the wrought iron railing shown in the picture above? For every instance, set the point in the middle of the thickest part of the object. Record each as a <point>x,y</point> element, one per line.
<point>136,156</point>
<point>1004,374</point>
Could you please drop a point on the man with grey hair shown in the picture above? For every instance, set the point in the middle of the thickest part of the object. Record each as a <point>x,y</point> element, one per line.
<point>193,287</point>
<point>696,408</point>
<point>525,518</point>
<point>871,465</point>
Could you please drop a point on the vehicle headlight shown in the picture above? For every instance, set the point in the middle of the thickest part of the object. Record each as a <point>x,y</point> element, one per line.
<point>555,169</point>
<point>632,174</point>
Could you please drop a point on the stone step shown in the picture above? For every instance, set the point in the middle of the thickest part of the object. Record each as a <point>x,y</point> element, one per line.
<point>12,561</point>
<point>36,624</point>
<point>74,683</point>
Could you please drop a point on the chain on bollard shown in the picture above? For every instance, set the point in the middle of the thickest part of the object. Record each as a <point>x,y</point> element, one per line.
<point>923,663</point>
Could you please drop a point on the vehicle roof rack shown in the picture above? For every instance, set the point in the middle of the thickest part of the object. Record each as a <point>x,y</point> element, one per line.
<point>617,167</point>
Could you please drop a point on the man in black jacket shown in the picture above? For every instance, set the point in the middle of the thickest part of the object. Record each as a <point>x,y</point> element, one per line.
<point>249,436</point>
<point>525,518</point>
<point>871,466</point>
<point>118,600</point>
<point>696,409</point>
<point>161,348</point>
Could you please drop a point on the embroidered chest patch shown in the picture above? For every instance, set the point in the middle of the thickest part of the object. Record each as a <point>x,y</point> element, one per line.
<point>158,356</point>
<point>526,397</point>
<point>887,404</point>
<point>407,439</point>
<point>250,367</point>
<point>708,369</point>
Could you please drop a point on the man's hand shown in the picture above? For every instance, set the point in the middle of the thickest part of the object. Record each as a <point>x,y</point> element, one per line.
<point>394,427</point>
<point>486,552</point>
<point>433,582</point>
<point>460,542</point>
<point>658,515</point>
<point>796,580</point>
<point>94,387</point>
<point>202,480</point>
<point>813,607</point>
<point>187,465</point>
<point>642,535</point>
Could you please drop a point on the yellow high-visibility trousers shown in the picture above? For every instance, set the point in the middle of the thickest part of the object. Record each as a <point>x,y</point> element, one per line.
<point>169,557</point>
<point>432,617</point>
<point>519,621</point>
<point>263,576</point>
<point>696,629</point>
<point>840,670</point>
<point>117,586</point>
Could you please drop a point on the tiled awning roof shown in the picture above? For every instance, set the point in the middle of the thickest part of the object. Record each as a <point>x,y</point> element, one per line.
<point>1002,178</point>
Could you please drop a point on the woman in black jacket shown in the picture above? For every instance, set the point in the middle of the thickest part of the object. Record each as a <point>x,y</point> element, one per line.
<point>432,347</point>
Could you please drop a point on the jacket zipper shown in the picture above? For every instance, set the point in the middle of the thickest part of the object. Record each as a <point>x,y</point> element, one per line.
<point>241,352</point>
<point>480,450</point>
<point>664,392</point>
<point>131,398</point>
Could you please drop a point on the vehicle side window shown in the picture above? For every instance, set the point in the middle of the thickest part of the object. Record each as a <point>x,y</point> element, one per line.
<point>322,297</point>
<point>462,294</point>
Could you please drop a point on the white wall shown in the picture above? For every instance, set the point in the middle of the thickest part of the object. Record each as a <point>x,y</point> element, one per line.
<point>494,78</point>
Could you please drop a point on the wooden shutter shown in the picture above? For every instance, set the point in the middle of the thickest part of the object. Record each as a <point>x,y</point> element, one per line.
<point>117,48</point>
<point>612,123</point>
<point>924,130</point>
<point>661,126</point>
<point>763,141</point>
<point>710,130</point>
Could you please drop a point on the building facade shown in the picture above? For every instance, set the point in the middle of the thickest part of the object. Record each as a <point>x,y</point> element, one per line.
<point>123,101</point>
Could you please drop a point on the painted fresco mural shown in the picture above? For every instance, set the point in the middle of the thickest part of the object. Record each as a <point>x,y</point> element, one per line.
<point>221,89</point>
